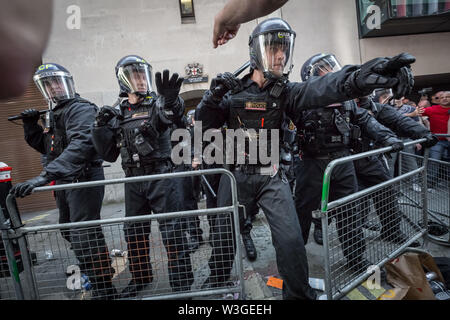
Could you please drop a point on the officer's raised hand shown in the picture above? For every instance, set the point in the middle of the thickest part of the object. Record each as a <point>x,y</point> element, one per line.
<point>392,73</point>
<point>105,115</point>
<point>30,116</point>
<point>169,89</point>
<point>223,83</point>
<point>25,188</point>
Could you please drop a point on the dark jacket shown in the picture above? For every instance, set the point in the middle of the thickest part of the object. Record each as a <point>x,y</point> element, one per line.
<point>72,149</point>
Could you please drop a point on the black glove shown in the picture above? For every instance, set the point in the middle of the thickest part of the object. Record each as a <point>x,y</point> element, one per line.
<point>30,116</point>
<point>169,89</point>
<point>224,83</point>
<point>146,128</point>
<point>396,144</point>
<point>25,188</point>
<point>431,140</point>
<point>105,115</point>
<point>377,73</point>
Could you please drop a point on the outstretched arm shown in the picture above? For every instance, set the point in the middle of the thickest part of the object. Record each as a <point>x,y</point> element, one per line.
<point>235,12</point>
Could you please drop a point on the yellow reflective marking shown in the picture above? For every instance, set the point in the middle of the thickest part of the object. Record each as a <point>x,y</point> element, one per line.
<point>356,295</point>
<point>42,216</point>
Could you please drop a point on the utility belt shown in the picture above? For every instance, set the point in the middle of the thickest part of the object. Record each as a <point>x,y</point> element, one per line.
<point>256,169</point>
<point>161,166</point>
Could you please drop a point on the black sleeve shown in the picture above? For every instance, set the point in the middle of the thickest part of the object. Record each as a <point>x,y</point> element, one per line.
<point>212,114</point>
<point>105,141</point>
<point>34,136</point>
<point>401,125</point>
<point>318,91</point>
<point>169,116</point>
<point>370,127</point>
<point>80,150</point>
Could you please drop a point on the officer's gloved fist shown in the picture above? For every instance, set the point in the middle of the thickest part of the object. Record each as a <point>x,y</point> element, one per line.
<point>105,115</point>
<point>392,73</point>
<point>431,141</point>
<point>223,83</point>
<point>25,188</point>
<point>148,129</point>
<point>30,116</point>
<point>396,144</point>
<point>169,89</point>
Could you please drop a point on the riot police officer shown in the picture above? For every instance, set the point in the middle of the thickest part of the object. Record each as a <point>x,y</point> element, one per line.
<point>69,156</point>
<point>140,132</point>
<point>327,134</point>
<point>258,102</point>
<point>371,171</point>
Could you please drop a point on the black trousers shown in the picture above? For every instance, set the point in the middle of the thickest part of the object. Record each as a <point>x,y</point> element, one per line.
<point>308,192</point>
<point>370,172</point>
<point>186,191</point>
<point>158,196</point>
<point>89,244</point>
<point>275,198</point>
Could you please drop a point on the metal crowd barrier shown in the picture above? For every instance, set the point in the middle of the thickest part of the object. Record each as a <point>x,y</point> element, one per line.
<point>386,205</point>
<point>59,274</point>
<point>438,194</point>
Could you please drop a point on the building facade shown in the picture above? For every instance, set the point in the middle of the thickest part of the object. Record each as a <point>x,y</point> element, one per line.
<point>89,37</point>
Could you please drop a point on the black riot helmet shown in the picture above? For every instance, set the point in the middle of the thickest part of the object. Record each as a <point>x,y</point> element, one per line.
<point>55,83</point>
<point>134,75</point>
<point>271,47</point>
<point>318,65</point>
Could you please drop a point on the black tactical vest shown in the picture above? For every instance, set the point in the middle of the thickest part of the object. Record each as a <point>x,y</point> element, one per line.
<point>137,149</point>
<point>326,130</point>
<point>255,111</point>
<point>55,135</point>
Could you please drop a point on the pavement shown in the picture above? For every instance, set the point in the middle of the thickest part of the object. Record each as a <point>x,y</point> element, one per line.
<point>261,276</point>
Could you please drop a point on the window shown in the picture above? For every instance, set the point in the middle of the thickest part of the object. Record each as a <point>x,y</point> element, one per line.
<point>187,11</point>
<point>400,17</point>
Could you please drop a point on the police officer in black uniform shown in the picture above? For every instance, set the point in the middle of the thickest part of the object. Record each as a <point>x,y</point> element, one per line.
<point>257,102</point>
<point>186,184</point>
<point>327,134</point>
<point>69,156</point>
<point>140,132</point>
<point>371,171</point>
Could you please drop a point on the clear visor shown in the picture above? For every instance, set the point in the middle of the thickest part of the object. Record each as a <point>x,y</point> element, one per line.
<point>136,77</point>
<point>275,52</point>
<point>325,65</point>
<point>55,87</point>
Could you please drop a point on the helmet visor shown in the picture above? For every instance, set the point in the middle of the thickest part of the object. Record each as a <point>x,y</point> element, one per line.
<point>137,78</point>
<point>55,86</point>
<point>325,65</point>
<point>274,52</point>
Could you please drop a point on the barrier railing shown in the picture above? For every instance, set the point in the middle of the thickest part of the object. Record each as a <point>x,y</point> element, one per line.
<point>438,194</point>
<point>96,254</point>
<point>347,244</point>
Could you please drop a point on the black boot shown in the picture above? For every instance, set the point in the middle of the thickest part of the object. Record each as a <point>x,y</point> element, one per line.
<point>249,246</point>
<point>317,235</point>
